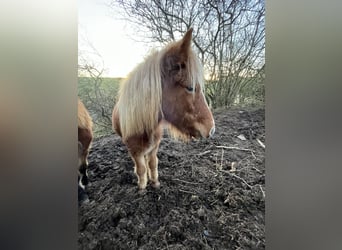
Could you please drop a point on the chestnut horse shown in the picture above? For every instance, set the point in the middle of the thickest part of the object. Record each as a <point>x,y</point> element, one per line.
<point>167,88</point>
<point>85,137</point>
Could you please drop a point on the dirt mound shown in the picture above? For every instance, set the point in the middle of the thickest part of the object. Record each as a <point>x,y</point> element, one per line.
<point>211,196</point>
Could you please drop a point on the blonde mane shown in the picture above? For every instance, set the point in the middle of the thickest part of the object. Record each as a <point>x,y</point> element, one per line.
<point>140,96</point>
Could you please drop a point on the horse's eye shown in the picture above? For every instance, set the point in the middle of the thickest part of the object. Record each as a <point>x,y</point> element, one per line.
<point>189,88</point>
<point>176,67</point>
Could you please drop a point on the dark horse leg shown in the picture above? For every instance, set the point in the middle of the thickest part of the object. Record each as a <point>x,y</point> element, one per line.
<point>85,138</point>
<point>82,183</point>
<point>83,153</point>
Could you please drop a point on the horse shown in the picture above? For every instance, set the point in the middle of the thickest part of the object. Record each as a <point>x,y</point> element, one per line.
<point>165,89</point>
<point>85,137</point>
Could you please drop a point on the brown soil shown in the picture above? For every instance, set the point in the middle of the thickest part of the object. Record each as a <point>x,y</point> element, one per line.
<point>203,202</point>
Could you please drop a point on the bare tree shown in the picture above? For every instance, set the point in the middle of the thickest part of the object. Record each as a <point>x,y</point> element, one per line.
<point>229,37</point>
<point>98,99</point>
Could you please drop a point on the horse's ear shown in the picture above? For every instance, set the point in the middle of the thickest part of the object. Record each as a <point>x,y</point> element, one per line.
<point>186,42</point>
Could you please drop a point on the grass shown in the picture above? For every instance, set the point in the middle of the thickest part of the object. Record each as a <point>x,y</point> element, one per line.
<point>98,95</point>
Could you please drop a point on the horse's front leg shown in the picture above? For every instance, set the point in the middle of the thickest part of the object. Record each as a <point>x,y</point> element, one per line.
<point>153,167</point>
<point>140,170</point>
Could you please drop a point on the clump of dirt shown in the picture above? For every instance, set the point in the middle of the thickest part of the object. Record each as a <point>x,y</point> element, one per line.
<point>212,193</point>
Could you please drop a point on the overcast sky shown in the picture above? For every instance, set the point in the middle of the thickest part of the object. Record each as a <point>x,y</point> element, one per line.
<point>109,36</point>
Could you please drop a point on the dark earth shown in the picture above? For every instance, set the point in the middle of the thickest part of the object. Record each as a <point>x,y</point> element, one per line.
<point>212,193</point>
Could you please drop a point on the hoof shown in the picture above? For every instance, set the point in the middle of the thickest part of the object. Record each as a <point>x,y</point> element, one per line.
<point>84,201</point>
<point>142,191</point>
<point>156,184</point>
<point>142,186</point>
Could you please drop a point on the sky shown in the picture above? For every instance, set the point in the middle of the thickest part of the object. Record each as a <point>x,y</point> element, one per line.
<point>110,37</point>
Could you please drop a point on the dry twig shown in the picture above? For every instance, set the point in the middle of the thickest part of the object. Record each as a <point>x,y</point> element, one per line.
<point>203,153</point>
<point>187,182</point>
<point>260,143</point>
<point>188,192</point>
<point>235,148</point>
<point>260,172</point>
<point>262,191</point>
<point>238,177</point>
